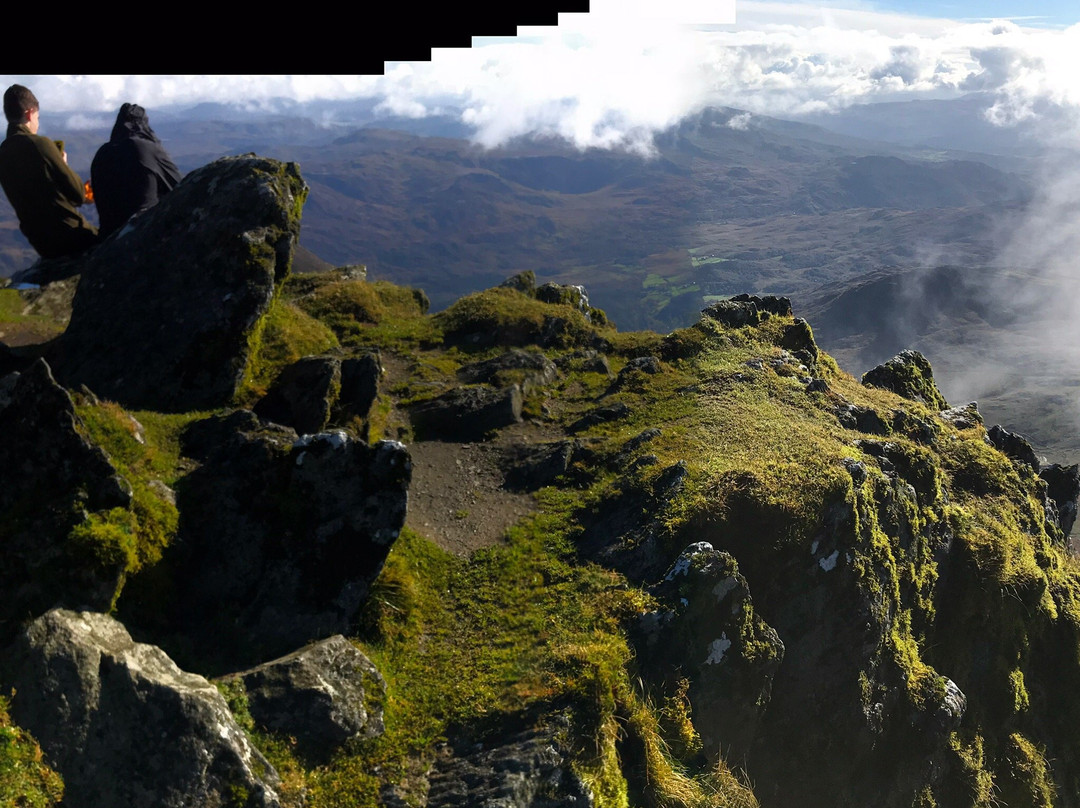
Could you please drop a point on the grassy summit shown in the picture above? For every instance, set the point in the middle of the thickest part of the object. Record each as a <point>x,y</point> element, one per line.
<point>900,559</point>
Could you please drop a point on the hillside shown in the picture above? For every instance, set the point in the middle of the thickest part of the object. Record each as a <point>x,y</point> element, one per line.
<point>730,573</point>
<point>998,335</point>
<point>728,203</point>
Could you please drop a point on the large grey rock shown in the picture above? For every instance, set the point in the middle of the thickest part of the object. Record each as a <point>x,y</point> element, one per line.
<point>322,695</point>
<point>168,309</point>
<point>304,394</point>
<point>280,538</point>
<point>123,725</point>
<point>732,313</point>
<point>529,769</point>
<point>51,477</point>
<point>359,387</point>
<point>1014,445</point>
<point>770,304</point>
<point>466,413</point>
<point>710,635</point>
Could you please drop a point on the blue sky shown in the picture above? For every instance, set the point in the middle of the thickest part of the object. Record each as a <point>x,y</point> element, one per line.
<point>1033,12</point>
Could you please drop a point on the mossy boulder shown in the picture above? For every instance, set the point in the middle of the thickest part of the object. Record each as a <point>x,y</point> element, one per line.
<point>908,374</point>
<point>709,633</point>
<point>279,541</point>
<point>169,308</point>
<point>321,695</point>
<point>123,725</point>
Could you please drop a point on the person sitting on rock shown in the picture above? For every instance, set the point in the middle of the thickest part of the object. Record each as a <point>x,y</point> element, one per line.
<point>39,184</point>
<point>131,172</point>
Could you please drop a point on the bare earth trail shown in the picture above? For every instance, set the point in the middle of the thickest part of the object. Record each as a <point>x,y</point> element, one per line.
<point>457,499</point>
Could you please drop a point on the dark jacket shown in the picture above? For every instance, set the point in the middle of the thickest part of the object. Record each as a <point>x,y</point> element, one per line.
<point>45,193</point>
<point>130,172</point>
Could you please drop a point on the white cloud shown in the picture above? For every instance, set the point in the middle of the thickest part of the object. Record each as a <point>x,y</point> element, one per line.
<point>612,78</point>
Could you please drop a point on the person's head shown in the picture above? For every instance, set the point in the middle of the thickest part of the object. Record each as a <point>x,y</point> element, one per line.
<point>20,106</point>
<point>132,121</point>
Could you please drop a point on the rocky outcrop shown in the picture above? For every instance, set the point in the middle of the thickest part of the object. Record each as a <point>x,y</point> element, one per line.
<point>280,538</point>
<point>51,477</point>
<point>359,387</point>
<point>746,309</point>
<point>168,309</point>
<point>1063,489</point>
<point>733,314</point>
<point>303,395</point>
<point>322,695</point>
<point>1014,445</point>
<point>466,413</point>
<point>530,769</point>
<point>123,725</point>
<point>709,634</point>
<point>908,374</point>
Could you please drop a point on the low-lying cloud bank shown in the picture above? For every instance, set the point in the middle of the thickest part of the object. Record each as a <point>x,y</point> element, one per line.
<point>610,78</point>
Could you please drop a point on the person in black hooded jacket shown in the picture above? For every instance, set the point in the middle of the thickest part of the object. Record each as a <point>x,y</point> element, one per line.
<point>131,172</point>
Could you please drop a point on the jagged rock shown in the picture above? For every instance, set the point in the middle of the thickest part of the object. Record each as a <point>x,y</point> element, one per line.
<point>818,386</point>
<point>51,475</point>
<point>574,296</point>
<point>780,306</point>
<point>167,311</point>
<point>533,467</point>
<point>524,282</point>
<point>1014,445</point>
<point>530,369</point>
<point>322,695</point>
<point>359,386</point>
<point>709,634</point>
<point>799,339</point>
<point>965,417</point>
<point>601,415</point>
<point>857,470</point>
<point>530,769</point>
<point>733,314</point>
<point>916,469</point>
<point>123,725</point>
<point>629,533</point>
<point>908,374</point>
<point>1063,489</point>
<point>864,419</point>
<point>279,539</point>
<point>466,413</point>
<point>303,394</point>
<point>918,429</point>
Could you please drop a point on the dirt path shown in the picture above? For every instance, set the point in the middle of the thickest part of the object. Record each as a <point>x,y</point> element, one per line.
<point>456,497</point>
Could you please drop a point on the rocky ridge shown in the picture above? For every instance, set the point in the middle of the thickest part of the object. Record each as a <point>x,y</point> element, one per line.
<point>743,566</point>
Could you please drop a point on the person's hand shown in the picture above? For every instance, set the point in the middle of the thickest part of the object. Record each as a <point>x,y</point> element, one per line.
<point>64,155</point>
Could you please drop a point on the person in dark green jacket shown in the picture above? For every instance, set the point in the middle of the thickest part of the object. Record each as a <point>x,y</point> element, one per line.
<point>38,183</point>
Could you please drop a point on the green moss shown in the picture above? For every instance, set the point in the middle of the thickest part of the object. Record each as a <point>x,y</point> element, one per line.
<point>1024,777</point>
<point>134,537</point>
<point>283,336</point>
<point>25,780</point>
<point>507,317</point>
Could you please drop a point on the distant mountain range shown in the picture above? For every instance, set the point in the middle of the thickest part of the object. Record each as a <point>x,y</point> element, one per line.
<point>831,211</point>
